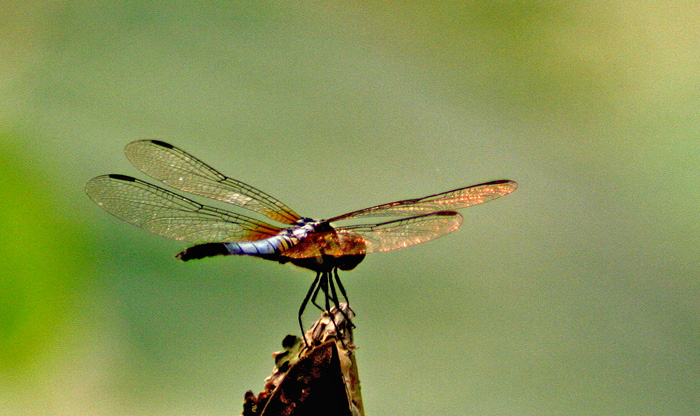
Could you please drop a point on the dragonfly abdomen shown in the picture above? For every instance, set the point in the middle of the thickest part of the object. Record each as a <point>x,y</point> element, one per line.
<point>268,248</point>
<point>262,248</point>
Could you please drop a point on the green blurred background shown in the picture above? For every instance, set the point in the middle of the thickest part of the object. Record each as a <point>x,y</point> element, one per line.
<point>576,295</point>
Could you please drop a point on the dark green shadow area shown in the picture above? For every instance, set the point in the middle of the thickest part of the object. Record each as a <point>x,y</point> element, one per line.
<point>43,264</point>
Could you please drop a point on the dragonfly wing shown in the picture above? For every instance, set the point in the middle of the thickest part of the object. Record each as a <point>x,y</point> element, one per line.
<point>182,171</point>
<point>371,238</point>
<point>445,201</point>
<point>406,232</point>
<point>170,215</point>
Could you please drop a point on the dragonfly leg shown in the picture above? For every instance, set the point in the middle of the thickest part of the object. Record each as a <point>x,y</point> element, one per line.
<point>314,285</point>
<point>342,289</point>
<point>333,293</point>
<point>336,300</point>
<point>324,283</point>
<point>322,286</point>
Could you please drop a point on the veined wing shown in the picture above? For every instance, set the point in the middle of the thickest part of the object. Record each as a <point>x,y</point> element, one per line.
<point>445,201</point>
<point>370,238</point>
<point>182,171</point>
<point>406,232</point>
<point>170,215</point>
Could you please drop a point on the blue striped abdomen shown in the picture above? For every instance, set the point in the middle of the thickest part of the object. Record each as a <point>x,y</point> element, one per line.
<point>262,248</point>
<point>267,248</point>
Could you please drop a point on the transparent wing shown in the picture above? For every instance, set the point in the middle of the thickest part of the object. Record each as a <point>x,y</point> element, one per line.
<point>371,238</point>
<point>445,201</point>
<point>392,235</point>
<point>182,171</point>
<point>170,215</point>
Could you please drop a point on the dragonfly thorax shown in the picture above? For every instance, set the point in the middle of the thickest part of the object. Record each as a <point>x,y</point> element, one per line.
<point>304,227</point>
<point>320,247</point>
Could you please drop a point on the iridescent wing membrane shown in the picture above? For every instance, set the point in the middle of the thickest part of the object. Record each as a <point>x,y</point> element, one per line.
<point>173,216</point>
<point>185,172</point>
<point>170,215</point>
<point>428,218</point>
<point>444,201</point>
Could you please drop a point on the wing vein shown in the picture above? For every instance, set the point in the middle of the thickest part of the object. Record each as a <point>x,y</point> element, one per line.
<point>445,201</point>
<point>179,169</point>
<point>170,215</point>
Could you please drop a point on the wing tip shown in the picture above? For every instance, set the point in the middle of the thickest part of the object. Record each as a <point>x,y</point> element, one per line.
<point>162,144</point>
<point>510,182</point>
<point>133,146</point>
<point>505,186</point>
<point>118,176</point>
<point>458,218</point>
<point>94,183</point>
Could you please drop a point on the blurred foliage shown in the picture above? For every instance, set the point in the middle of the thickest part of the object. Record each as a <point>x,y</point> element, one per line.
<point>44,263</point>
<point>576,295</point>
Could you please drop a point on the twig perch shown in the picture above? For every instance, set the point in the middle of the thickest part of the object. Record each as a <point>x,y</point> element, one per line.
<point>321,379</point>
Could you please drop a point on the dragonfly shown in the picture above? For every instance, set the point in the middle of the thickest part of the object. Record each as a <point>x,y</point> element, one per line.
<point>317,245</point>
